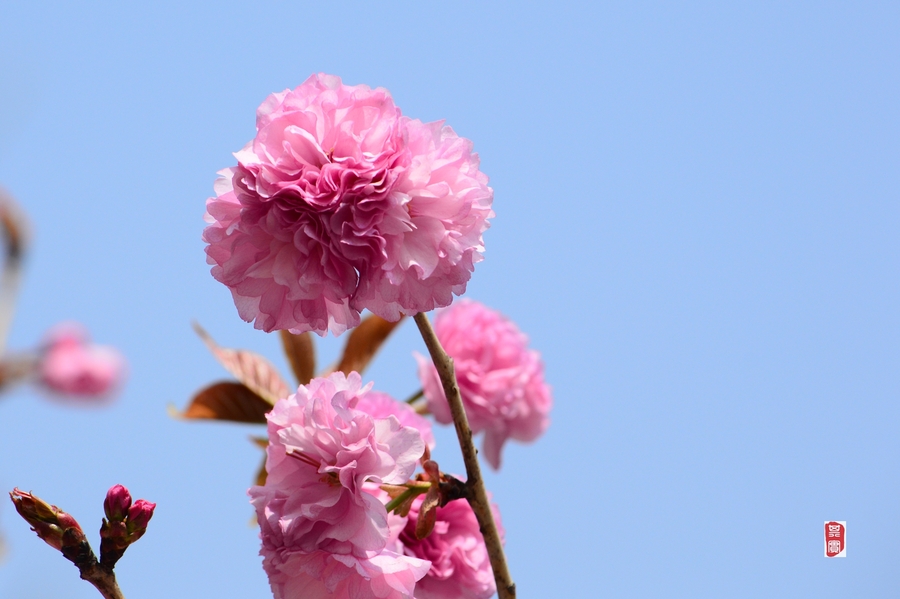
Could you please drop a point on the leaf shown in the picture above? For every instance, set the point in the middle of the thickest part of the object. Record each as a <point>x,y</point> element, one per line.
<point>261,475</point>
<point>428,512</point>
<point>261,442</point>
<point>301,355</point>
<point>250,368</point>
<point>229,401</point>
<point>363,342</point>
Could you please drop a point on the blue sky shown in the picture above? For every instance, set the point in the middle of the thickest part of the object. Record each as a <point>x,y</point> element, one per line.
<point>697,214</point>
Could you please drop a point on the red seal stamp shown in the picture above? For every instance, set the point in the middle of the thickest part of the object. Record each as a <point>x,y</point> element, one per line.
<point>835,538</point>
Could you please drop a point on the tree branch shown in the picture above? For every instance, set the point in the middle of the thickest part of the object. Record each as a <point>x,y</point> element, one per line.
<point>477,497</point>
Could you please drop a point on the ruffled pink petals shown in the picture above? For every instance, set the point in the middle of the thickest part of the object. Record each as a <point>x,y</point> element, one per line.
<point>324,575</point>
<point>382,405</point>
<point>460,566</point>
<point>320,529</point>
<point>341,204</point>
<point>501,381</point>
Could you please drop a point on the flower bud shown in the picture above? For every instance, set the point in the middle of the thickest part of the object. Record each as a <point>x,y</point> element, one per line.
<point>125,523</point>
<point>54,526</point>
<point>117,503</point>
<point>138,516</point>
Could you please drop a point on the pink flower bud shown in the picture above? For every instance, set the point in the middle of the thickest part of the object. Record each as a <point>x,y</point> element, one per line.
<point>70,365</point>
<point>138,516</point>
<point>117,503</point>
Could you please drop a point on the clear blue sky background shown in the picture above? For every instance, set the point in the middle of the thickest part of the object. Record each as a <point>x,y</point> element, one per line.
<point>697,215</point>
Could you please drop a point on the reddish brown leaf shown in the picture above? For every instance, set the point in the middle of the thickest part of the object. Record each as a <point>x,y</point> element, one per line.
<point>261,475</point>
<point>363,342</point>
<point>227,400</point>
<point>250,368</point>
<point>301,355</point>
<point>261,442</point>
<point>428,512</point>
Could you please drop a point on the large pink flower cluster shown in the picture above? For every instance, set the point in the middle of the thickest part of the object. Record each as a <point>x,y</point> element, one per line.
<point>322,534</point>
<point>501,381</point>
<point>72,366</point>
<point>460,566</point>
<point>341,204</point>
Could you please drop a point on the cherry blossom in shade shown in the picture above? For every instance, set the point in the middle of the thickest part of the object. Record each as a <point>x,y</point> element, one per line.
<point>72,366</point>
<point>320,530</point>
<point>501,381</point>
<point>382,405</point>
<point>460,566</point>
<point>340,204</point>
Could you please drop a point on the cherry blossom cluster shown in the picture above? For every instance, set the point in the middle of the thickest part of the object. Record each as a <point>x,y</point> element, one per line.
<point>324,526</point>
<point>341,204</point>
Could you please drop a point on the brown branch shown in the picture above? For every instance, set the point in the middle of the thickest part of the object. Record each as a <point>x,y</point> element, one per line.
<point>477,496</point>
<point>79,552</point>
<point>103,579</point>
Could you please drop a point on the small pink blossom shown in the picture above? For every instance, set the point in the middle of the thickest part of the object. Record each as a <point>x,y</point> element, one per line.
<point>501,381</point>
<point>341,204</point>
<point>460,566</point>
<point>320,530</point>
<point>71,365</point>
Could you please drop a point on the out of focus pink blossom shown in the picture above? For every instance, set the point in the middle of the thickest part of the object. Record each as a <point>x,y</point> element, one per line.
<point>501,381</point>
<point>340,204</point>
<point>320,530</point>
<point>73,366</point>
<point>460,567</point>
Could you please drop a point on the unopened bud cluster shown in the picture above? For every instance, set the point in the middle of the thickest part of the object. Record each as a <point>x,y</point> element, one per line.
<point>125,523</point>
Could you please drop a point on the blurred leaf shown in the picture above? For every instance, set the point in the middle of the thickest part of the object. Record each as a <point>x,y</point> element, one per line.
<point>261,442</point>
<point>363,342</point>
<point>14,226</point>
<point>262,474</point>
<point>227,400</point>
<point>301,355</point>
<point>248,367</point>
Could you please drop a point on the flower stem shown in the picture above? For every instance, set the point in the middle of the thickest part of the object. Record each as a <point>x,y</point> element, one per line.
<point>417,395</point>
<point>506,588</point>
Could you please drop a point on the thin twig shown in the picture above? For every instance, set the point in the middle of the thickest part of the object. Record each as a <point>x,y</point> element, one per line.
<point>416,396</point>
<point>80,553</point>
<point>12,223</point>
<point>477,497</point>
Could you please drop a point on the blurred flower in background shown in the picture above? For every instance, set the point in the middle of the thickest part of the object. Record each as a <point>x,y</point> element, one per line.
<point>69,365</point>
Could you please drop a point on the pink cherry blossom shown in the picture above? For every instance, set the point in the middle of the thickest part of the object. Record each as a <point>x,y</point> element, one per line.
<point>324,575</point>
<point>382,405</point>
<point>72,366</point>
<point>460,567</point>
<point>341,204</point>
<point>320,529</point>
<point>501,381</point>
